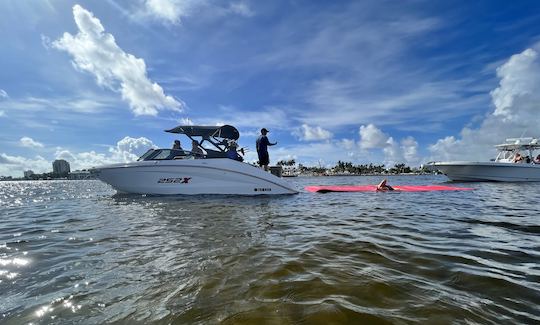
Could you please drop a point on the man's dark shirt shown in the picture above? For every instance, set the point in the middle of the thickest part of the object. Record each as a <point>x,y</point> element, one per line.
<point>262,145</point>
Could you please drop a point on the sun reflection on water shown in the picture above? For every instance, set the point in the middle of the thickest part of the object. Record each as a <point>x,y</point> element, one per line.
<point>14,261</point>
<point>43,310</point>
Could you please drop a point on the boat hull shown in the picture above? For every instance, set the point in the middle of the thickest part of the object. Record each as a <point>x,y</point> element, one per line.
<point>192,177</point>
<point>488,171</point>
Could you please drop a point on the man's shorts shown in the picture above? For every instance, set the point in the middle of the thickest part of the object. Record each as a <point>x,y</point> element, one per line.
<point>264,159</point>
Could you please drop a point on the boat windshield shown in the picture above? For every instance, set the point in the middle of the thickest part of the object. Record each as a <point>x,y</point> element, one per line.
<point>164,154</point>
<point>146,154</point>
<point>512,148</point>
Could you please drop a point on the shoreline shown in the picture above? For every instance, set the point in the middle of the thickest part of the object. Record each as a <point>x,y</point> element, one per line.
<point>287,176</point>
<point>370,174</point>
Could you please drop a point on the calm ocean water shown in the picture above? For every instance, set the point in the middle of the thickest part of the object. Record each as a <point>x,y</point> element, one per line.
<point>72,252</point>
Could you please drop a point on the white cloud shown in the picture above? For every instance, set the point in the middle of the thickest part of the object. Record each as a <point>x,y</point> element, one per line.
<point>371,137</point>
<point>30,143</point>
<point>45,42</point>
<point>15,165</point>
<point>95,51</point>
<point>395,152</point>
<point>517,97</point>
<point>308,133</point>
<point>392,153</point>
<point>409,147</point>
<point>241,8</point>
<point>3,94</point>
<point>271,117</point>
<point>171,11</point>
<point>83,160</point>
<point>126,150</point>
<point>186,121</point>
<point>2,113</point>
<point>347,144</point>
<point>406,151</point>
<point>129,149</point>
<point>446,149</point>
<point>516,112</point>
<point>88,104</point>
<point>354,101</point>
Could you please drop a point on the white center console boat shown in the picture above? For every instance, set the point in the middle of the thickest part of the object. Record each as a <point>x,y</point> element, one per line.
<point>504,168</point>
<point>173,171</point>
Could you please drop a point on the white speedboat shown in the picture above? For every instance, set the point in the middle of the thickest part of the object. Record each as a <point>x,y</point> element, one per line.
<point>501,169</point>
<point>171,171</point>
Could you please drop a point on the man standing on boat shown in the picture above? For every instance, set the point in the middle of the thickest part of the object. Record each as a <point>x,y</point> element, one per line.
<point>262,149</point>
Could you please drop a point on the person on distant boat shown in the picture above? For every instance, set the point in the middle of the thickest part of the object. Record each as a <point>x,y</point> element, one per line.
<point>232,152</point>
<point>196,148</point>
<point>384,187</point>
<point>262,149</point>
<point>517,158</point>
<point>176,145</point>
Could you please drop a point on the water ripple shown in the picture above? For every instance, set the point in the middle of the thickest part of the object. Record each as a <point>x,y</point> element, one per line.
<point>74,252</point>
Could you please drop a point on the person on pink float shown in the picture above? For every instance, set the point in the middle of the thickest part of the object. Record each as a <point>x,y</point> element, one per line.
<point>384,187</point>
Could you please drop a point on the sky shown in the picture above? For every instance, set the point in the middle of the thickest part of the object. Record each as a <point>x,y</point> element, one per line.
<point>383,82</point>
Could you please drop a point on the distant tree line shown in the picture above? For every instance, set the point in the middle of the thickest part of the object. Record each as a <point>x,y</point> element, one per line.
<point>290,162</point>
<point>343,167</point>
<point>49,175</point>
<point>348,167</point>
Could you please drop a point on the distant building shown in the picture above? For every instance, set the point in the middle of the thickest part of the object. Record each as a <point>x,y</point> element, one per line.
<point>28,173</point>
<point>81,174</point>
<point>61,167</point>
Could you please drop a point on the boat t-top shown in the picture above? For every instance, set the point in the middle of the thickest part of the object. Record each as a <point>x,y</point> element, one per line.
<point>504,168</point>
<point>208,171</point>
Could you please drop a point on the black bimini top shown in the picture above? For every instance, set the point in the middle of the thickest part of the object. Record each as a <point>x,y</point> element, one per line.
<point>225,131</point>
<point>217,136</point>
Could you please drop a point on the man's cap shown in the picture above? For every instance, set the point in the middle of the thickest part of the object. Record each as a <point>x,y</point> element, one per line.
<point>264,130</point>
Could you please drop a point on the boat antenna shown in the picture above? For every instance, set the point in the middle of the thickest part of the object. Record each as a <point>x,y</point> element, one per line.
<point>522,134</point>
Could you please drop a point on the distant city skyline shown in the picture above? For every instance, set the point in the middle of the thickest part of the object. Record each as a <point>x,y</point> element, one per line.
<point>387,82</point>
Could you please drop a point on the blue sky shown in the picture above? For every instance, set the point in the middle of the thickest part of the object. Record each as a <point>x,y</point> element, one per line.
<point>364,81</point>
